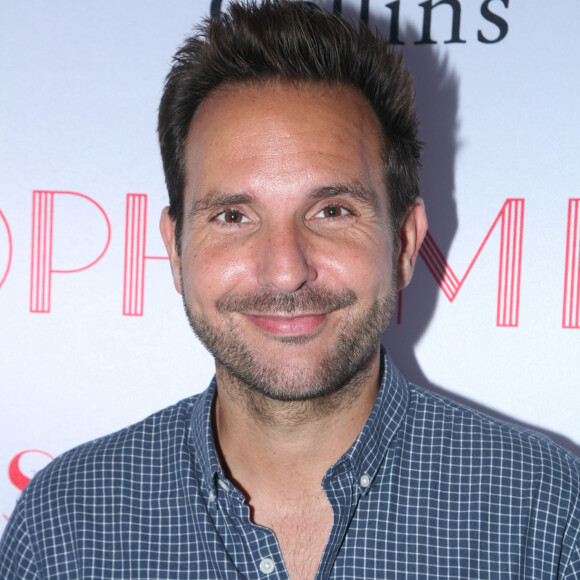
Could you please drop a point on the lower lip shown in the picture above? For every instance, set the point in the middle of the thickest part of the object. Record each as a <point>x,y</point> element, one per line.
<point>288,326</point>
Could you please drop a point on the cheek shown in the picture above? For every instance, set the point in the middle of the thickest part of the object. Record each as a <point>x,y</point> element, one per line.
<point>209,274</point>
<point>365,269</point>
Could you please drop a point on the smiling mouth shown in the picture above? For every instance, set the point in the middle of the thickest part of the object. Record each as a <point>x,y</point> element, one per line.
<point>295,325</point>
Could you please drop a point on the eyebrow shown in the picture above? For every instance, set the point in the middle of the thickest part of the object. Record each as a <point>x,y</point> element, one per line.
<point>216,198</point>
<point>356,190</point>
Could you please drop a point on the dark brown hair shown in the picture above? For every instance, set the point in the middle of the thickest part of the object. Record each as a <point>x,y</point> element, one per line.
<point>294,42</point>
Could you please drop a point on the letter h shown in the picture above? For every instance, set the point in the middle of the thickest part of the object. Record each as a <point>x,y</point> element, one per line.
<point>135,240</point>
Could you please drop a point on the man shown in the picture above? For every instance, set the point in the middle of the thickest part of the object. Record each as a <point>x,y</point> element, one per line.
<point>291,158</point>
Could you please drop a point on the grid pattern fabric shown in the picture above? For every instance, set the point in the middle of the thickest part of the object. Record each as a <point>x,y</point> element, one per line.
<point>430,489</point>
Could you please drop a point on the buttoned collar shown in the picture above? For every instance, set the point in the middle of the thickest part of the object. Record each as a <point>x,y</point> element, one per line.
<point>368,451</point>
<point>364,457</point>
<point>202,439</point>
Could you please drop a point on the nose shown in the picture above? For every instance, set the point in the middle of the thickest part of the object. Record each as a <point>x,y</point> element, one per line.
<point>284,259</point>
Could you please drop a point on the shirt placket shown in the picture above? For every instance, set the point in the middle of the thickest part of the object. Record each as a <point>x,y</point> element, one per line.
<point>253,549</point>
<point>343,496</point>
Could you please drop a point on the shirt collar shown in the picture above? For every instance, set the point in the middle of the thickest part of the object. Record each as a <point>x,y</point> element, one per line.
<point>364,456</point>
<point>202,443</point>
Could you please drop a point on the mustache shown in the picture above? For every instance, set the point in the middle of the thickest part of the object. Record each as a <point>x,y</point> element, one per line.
<point>315,300</point>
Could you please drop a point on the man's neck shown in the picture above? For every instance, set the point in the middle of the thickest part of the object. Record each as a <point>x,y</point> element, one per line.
<point>265,444</point>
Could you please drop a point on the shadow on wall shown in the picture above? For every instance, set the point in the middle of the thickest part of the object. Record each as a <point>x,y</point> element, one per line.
<point>437,91</point>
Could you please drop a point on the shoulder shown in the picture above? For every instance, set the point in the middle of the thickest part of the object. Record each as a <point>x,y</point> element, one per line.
<point>479,439</point>
<point>450,419</point>
<point>151,446</point>
<point>92,483</point>
<point>104,493</point>
<point>500,471</point>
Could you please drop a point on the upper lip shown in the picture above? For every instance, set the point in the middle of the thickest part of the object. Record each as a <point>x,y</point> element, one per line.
<point>286,315</point>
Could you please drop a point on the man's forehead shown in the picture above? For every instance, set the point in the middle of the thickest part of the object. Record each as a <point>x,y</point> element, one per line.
<point>259,99</point>
<point>249,122</point>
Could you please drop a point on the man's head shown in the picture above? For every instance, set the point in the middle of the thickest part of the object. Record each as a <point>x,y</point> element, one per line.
<point>281,233</point>
<point>295,43</point>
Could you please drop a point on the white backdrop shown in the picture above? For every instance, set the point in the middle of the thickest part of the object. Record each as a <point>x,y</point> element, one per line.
<point>85,353</point>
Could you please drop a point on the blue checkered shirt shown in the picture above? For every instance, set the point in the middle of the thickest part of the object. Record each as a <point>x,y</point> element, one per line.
<point>429,489</point>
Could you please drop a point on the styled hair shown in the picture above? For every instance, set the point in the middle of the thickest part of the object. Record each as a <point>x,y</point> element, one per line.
<point>291,41</point>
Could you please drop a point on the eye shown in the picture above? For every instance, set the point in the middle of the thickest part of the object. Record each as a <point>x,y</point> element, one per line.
<point>231,216</point>
<point>332,211</point>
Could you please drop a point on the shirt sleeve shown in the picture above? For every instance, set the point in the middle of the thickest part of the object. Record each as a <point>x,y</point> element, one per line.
<point>16,555</point>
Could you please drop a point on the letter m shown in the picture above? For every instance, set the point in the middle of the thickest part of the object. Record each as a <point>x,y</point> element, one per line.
<point>510,220</point>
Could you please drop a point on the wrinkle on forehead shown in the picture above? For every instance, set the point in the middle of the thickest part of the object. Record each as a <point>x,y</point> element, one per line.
<point>275,130</point>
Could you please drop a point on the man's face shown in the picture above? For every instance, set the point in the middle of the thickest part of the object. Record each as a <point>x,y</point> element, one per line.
<point>286,265</point>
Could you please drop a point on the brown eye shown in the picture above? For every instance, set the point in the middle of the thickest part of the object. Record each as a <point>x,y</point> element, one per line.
<point>332,211</point>
<point>232,216</point>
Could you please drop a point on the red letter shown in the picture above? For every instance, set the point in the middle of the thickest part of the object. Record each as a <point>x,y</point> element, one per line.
<point>4,274</point>
<point>41,260</point>
<point>17,478</point>
<point>511,218</point>
<point>135,236</point>
<point>570,317</point>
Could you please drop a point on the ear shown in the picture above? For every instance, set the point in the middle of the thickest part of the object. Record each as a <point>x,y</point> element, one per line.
<point>411,235</point>
<point>167,227</point>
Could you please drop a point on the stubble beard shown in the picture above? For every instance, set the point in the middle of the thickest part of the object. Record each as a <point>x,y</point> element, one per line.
<point>342,368</point>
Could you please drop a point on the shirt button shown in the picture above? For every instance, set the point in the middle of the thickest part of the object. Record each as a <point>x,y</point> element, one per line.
<point>365,481</point>
<point>223,485</point>
<point>267,565</point>
<point>211,496</point>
